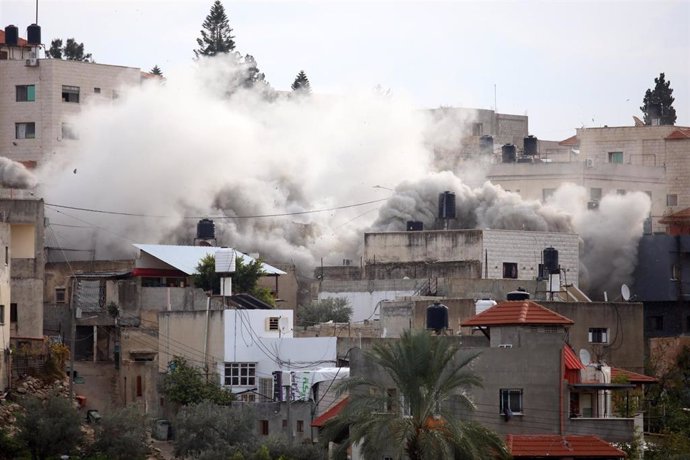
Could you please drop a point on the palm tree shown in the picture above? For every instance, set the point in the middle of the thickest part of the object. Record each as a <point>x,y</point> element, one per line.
<point>416,419</point>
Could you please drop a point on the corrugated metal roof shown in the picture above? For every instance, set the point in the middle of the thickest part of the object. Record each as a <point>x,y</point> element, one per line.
<point>186,258</point>
<point>554,446</point>
<point>517,312</point>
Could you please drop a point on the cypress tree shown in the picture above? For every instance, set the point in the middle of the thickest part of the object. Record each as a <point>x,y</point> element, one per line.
<point>216,35</point>
<point>301,83</point>
<point>658,103</point>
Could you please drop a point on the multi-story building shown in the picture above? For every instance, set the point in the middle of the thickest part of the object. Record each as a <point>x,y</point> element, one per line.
<point>39,96</point>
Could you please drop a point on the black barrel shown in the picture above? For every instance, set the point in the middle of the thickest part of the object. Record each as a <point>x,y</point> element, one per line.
<point>437,317</point>
<point>508,153</point>
<point>11,35</point>
<point>531,143</point>
<point>33,34</point>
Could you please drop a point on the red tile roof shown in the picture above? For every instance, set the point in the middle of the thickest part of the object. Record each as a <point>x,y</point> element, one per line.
<point>681,133</point>
<point>20,42</point>
<point>321,420</point>
<point>520,312</point>
<point>633,377</point>
<point>572,362</point>
<point>680,216</point>
<point>554,446</point>
<point>572,140</point>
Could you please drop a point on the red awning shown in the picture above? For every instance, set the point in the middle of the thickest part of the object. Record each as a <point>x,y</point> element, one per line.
<point>572,362</point>
<point>321,420</point>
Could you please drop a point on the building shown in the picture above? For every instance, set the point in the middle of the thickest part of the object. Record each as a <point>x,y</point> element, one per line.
<point>39,96</point>
<point>650,159</point>
<point>5,308</point>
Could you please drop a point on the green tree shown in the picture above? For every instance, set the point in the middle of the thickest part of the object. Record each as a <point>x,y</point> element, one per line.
<point>301,83</point>
<point>10,447</point>
<point>122,435</point>
<point>157,71</point>
<point>416,419</point>
<point>245,279</point>
<point>216,35</point>
<point>206,277</point>
<point>658,103</point>
<point>49,428</point>
<point>185,384</point>
<point>72,50</point>
<point>207,430</point>
<point>334,309</point>
<point>55,50</point>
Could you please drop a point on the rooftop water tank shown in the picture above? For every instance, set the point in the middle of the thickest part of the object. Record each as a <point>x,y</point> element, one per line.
<point>508,153</point>
<point>530,143</point>
<point>518,295</point>
<point>486,145</point>
<point>205,229</point>
<point>33,34</point>
<point>437,317</point>
<point>11,35</point>
<point>551,261</point>
<point>446,205</point>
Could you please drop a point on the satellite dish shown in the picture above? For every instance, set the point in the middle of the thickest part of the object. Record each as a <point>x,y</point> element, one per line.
<point>625,292</point>
<point>585,356</point>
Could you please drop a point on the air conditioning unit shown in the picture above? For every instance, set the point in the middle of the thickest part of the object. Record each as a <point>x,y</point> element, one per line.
<point>32,62</point>
<point>589,162</point>
<point>591,205</point>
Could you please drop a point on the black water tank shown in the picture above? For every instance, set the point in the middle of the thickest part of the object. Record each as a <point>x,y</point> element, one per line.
<point>437,317</point>
<point>446,205</point>
<point>517,295</point>
<point>11,35</point>
<point>486,145</point>
<point>531,144</point>
<point>508,153</point>
<point>551,260</point>
<point>415,226</point>
<point>205,229</point>
<point>33,34</point>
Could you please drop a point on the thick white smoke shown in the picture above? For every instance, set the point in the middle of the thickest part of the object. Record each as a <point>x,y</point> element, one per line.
<point>169,153</point>
<point>15,175</point>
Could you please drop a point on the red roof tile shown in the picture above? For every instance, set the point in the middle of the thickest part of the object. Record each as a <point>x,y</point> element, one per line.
<point>520,312</point>
<point>681,133</point>
<point>554,446</point>
<point>329,414</point>
<point>633,377</point>
<point>680,216</point>
<point>572,362</point>
<point>572,140</point>
<point>20,42</point>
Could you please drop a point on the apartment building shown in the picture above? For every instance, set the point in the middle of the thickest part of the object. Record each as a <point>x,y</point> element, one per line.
<point>38,97</point>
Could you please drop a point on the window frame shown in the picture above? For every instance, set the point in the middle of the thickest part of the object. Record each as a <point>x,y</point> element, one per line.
<point>234,377</point>
<point>27,134</point>
<point>602,333</point>
<point>263,427</point>
<point>14,313</point>
<point>2,314</point>
<point>71,94</point>
<point>60,295</point>
<point>595,193</point>
<point>616,157</point>
<point>28,94</point>
<point>505,394</point>
<point>510,270</point>
<point>672,199</point>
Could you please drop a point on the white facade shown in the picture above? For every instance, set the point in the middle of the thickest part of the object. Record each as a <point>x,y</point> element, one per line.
<point>260,342</point>
<point>366,305</point>
<point>37,101</point>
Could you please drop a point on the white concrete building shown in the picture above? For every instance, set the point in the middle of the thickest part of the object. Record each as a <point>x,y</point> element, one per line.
<point>38,96</point>
<point>5,308</point>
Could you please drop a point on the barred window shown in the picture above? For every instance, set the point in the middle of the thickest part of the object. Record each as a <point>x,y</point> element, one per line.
<point>240,374</point>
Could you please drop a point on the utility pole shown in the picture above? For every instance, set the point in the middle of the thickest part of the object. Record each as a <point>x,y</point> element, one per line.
<point>73,328</point>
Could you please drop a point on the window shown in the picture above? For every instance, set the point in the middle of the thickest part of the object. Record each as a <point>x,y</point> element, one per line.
<point>547,193</point>
<point>139,386</point>
<point>616,157</point>
<point>240,374</point>
<point>284,424</point>
<point>300,426</point>
<point>511,399</point>
<point>672,200</point>
<point>477,129</point>
<point>68,132</point>
<point>273,323</point>
<point>25,130</point>
<point>2,314</point>
<point>70,94</point>
<point>510,270</point>
<point>13,313</point>
<point>595,194</point>
<point>26,93</point>
<point>266,389</point>
<point>60,295</point>
<point>7,255</point>
<point>675,272</point>
<point>247,398</point>
<point>598,335</point>
<point>263,427</point>
<point>97,90</point>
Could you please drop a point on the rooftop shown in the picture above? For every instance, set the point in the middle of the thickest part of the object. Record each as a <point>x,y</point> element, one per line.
<point>555,446</point>
<point>521,312</point>
<point>20,42</point>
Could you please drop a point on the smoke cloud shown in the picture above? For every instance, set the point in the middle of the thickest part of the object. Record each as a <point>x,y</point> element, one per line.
<point>15,175</point>
<point>295,178</point>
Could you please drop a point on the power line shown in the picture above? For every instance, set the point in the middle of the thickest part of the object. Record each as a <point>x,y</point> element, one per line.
<point>256,216</point>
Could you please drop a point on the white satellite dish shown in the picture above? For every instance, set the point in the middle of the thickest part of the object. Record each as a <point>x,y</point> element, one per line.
<point>625,292</point>
<point>585,356</point>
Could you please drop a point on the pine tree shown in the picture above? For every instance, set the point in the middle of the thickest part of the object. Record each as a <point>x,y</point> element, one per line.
<point>216,35</point>
<point>55,50</point>
<point>658,103</point>
<point>301,83</point>
<point>157,71</point>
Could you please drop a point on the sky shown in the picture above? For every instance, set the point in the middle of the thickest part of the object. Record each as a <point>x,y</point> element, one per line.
<point>565,64</point>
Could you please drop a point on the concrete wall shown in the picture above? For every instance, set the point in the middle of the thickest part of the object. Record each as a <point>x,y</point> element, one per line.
<point>5,323</point>
<point>48,111</point>
<point>278,425</point>
<point>400,315</point>
<point>287,285</point>
<point>185,334</point>
<point>27,272</point>
<point>678,172</point>
<point>431,246</point>
<point>624,321</point>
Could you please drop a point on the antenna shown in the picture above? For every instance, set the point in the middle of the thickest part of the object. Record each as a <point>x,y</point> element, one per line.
<point>625,292</point>
<point>585,357</point>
